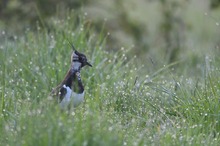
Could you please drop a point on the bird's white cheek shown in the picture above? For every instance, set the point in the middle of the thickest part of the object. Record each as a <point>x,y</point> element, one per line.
<point>76,66</point>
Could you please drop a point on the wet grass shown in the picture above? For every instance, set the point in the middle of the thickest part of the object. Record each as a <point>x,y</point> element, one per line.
<point>125,104</point>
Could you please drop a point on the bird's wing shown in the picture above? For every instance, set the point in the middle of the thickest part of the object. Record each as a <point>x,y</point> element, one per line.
<point>59,92</point>
<point>55,91</point>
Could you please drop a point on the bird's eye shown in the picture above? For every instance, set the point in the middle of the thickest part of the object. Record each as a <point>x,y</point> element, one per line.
<point>83,59</point>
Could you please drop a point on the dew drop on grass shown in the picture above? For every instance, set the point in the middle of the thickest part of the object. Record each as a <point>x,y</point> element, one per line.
<point>11,81</point>
<point>23,127</point>
<point>3,32</point>
<point>15,37</point>
<point>85,143</point>
<point>148,94</point>
<point>37,68</point>
<point>7,128</point>
<point>60,124</point>
<point>217,24</point>
<point>73,113</point>
<point>110,128</point>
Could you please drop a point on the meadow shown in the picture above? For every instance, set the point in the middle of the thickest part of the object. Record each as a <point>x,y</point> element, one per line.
<point>128,101</point>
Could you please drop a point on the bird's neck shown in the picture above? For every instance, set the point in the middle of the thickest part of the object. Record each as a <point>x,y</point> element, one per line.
<point>74,83</point>
<point>77,84</point>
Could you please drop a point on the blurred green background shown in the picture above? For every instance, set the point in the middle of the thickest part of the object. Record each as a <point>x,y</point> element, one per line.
<point>173,29</point>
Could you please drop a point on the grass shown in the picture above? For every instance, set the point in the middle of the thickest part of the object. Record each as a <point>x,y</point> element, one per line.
<point>124,106</point>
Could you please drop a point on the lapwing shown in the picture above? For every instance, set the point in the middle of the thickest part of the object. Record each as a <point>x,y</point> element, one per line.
<point>70,92</point>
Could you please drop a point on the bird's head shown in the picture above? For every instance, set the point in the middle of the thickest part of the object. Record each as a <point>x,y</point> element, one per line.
<point>79,60</point>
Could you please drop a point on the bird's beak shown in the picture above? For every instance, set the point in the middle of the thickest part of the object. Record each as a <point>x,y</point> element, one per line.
<point>87,63</point>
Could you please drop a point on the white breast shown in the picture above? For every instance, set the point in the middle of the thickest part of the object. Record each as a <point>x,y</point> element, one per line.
<point>77,98</point>
<point>71,98</point>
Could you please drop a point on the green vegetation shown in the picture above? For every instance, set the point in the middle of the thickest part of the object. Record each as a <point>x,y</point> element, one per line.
<point>129,101</point>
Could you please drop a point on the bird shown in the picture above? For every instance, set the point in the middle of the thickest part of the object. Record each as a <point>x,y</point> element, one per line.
<point>70,92</point>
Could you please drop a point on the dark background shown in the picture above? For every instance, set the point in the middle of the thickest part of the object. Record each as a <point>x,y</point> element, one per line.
<point>148,26</point>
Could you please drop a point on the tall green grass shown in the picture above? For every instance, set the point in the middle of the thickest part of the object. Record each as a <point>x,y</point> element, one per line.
<point>125,104</point>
